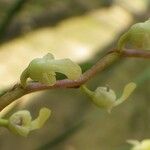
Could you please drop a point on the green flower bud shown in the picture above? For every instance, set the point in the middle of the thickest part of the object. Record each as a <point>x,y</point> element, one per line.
<point>144,145</point>
<point>105,98</point>
<point>44,70</point>
<point>138,37</point>
<point>21,122</point>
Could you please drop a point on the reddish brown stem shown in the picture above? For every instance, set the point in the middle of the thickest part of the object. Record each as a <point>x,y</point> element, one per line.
<point>14,93</point>
<point>136,53</point>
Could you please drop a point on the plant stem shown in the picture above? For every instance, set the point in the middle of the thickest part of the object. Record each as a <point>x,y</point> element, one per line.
<point>18,91</point>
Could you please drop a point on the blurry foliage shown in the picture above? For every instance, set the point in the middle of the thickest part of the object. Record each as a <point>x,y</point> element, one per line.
<point>39,13</point>
<point>14,9</point>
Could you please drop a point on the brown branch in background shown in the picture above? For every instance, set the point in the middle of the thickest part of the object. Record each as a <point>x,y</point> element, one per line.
<point>17,91</point>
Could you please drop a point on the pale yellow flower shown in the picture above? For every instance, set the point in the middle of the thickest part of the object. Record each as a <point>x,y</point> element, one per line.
<point>143,145</point>
<point>21,122</point>
<point>106,98</point>
<point>44,70</point>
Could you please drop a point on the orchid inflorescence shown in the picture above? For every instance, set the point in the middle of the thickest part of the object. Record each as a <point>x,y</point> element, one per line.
<point>45,69</point>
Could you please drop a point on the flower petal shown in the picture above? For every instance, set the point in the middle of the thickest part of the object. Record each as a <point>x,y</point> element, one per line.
<point>129,88</point>
<point>44,114</point>
<point>66,67</point>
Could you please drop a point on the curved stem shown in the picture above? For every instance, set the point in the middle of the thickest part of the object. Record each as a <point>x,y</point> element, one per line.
<point>136,53</point>
<point>87,91</point>
<point>18,91</point>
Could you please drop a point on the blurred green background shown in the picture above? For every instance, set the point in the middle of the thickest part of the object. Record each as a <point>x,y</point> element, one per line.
<point>83,30</point>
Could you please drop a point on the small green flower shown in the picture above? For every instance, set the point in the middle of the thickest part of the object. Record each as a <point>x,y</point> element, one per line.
<point>44,70</point>
<point>138,37</point>
<point>144,145</point>
<point>21,122</point>
<point>105,98</point>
